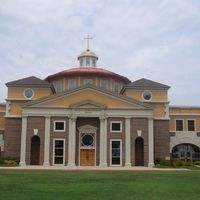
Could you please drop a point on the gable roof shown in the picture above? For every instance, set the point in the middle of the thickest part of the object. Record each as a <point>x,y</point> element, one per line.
<point>91,87</point>
<point>146,83</point>
<point>30,81</point>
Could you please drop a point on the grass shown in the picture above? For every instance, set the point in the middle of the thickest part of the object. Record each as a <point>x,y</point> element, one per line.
<point>82,185</point>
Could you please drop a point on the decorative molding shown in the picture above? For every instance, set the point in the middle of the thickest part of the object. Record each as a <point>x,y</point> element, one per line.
<point>139,133</point>
<point>87,129</point>
<point>35,131</point>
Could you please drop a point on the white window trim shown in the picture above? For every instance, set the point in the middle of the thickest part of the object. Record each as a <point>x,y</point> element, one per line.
<point>183,124</point>
<point>111,122</point>
<point>120,140</point>
<point>54,126</point>
<point>26,96</point>
<point>55,139</point>
<point>143,95</point>
<point>194,125</point>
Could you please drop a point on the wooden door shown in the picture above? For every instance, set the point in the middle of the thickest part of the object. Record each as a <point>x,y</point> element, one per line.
<point>87,157</point>
<point>139,152</point>
<point>35,151</point>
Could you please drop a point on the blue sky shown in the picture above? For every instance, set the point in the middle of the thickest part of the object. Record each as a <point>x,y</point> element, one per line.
<point>154,39</point>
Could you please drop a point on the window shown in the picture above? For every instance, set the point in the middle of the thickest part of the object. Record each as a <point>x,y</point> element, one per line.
<point>94,62</point>
<point>28,93</point>
<point>87,82</point>
<point>87,61</point>
<point>179,125</point>
<point>59,126</point>
<point>116,87</point>
<point>115,126</point>
<point>115,152</point>
<point>191,125</point>
<point>71,84</point>
<point>87,140</point>
<point>104,84</point>
<point>59,151</point>
<point>81,61</point>
<point>147,95</point>
<point>58,86</point>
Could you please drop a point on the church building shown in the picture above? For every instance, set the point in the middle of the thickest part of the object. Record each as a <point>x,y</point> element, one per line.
<point>89,116</point>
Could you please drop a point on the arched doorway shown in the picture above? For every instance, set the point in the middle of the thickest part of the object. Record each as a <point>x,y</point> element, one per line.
<point>35,150</point>
<point>186,151</point>
<point>139,152</point>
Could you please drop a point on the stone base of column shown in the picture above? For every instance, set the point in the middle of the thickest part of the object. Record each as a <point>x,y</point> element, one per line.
<point>22,164</point>
<point>151,164</point>
<point>46,163</point>
<point>71,165</point>
<point>103,165</point>
<point>127,164</point>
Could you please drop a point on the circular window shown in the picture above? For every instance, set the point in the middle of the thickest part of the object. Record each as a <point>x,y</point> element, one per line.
<point>28,93</point>
<point>147,95</point>
<point>87,140</point>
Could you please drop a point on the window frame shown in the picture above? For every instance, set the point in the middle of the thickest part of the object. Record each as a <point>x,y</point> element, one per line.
<point>25,92</point>
<point>86,81</point>
<point>107,84</point>
<point>74,84</point>
<point>188,126</point>
<point>54,125</point>
<point>179,119</point>
<point>150,94</point>
<point>113,131</point>
<point>117,140</point>
<point>57,139</point>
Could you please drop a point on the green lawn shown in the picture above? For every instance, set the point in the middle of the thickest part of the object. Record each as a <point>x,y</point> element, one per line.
<point>55,185</point>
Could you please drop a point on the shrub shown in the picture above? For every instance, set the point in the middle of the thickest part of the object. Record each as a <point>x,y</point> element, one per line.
<point>10,162</point>
<point>178,163</point>
<point>196,162</point>
<point>161,161</point>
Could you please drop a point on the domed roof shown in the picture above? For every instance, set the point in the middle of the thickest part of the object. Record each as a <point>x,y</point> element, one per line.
<point>87,71</point>
<point>88,53</point>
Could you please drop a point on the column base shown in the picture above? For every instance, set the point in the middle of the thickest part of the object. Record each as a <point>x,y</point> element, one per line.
<point>22,164</point>
<point>103,165</point>
<point>151,164</point>
<point>71,165</point>
<point>46,163</point>
<point>127,164</point>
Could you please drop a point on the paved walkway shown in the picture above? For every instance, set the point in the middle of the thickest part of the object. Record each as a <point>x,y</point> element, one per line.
<point>91,168</point>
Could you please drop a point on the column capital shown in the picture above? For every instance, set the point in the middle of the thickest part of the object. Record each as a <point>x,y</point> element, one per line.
<point>73,118</point>
<point>128,117</point>
<point>47,116</point>
<point>102,118</point>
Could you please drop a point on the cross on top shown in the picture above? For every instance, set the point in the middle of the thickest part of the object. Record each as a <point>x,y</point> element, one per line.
<point>88,38</point>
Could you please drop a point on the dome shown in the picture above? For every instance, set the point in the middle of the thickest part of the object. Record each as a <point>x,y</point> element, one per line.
<point>88,53</point>
<point>87,71</point>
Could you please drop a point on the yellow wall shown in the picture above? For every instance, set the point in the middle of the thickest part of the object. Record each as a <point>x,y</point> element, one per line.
<point>15,108</point>
<point>88,94</point>
<point>2,113</point>
<point>157,95</point>
<point>159,110</point>
<point>18,92</point>
<point>189,110</point>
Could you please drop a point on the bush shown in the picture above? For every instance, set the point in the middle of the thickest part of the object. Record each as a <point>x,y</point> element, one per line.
<point>1,161</point>
<point>161,161</point>
<point>196,162</point>
<point>179,163</point>
<point>10,162</point>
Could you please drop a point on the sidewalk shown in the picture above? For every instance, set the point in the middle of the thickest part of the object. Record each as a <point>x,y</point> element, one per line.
<point>90,168</point>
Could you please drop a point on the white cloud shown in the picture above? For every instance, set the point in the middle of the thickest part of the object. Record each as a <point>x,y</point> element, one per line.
<point>157,39</point>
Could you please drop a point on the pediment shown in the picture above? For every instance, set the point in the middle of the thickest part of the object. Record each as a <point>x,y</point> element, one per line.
<point>88,97</point>
<point>87,104</point>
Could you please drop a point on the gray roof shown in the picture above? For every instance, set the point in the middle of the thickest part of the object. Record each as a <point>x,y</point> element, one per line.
<point>145,83</point>
<point>30,81</point>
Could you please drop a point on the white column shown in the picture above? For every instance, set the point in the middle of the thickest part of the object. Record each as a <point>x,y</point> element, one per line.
<point>72,142</point>
<point>151,144</point>
<point>23,141</point>
<point>128,142</point>
<point>103,142</point>
<point>46,140</point>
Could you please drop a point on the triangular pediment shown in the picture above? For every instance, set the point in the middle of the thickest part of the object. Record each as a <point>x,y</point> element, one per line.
<point>87,104</point>
<point>88,97</point>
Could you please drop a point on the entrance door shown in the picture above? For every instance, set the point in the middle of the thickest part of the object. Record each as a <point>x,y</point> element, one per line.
<point>139,152</point>
<point>35,150</point>
<point>87,157</point>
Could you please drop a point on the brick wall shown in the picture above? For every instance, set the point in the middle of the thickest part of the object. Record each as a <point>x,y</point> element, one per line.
<point>12,138</point>
<point>161,138</point>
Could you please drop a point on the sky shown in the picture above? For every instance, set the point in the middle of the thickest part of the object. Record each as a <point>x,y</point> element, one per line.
<point>153,39</point>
